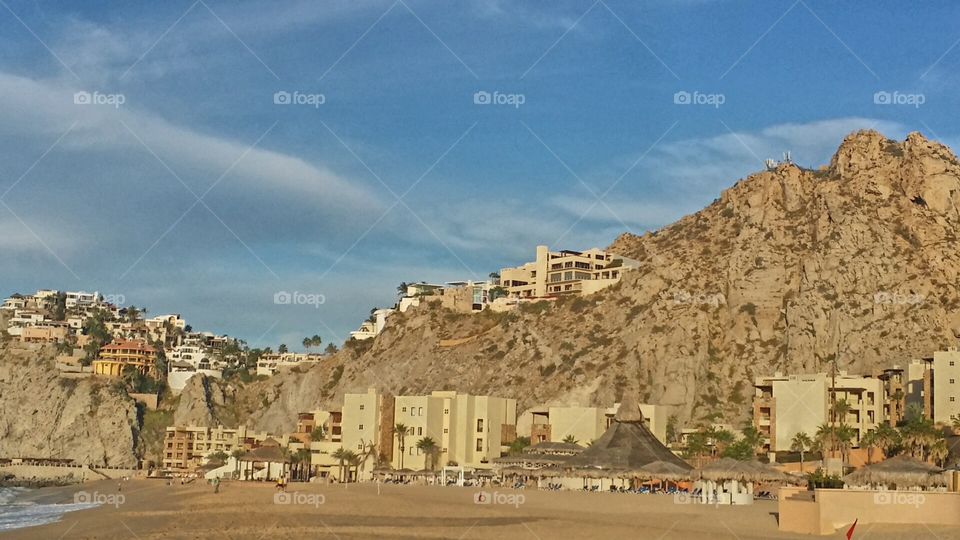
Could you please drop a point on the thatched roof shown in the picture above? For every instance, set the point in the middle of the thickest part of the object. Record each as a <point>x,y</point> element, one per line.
<point>266,453</point>
<point>532,459</point>
<point>904,471</point>
<point>554,448</point>
<point>662,470</point>
<point>732,469</point>
<point>626,445</point>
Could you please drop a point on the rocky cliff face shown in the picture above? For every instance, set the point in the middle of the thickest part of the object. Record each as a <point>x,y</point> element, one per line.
<point>787,270</point>
<point>43,415</point>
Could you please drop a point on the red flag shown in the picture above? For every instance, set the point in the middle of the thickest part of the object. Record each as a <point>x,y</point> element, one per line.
<point>850,531</point>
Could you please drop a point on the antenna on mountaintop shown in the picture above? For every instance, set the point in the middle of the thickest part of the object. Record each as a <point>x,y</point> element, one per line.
<point>786,158</point>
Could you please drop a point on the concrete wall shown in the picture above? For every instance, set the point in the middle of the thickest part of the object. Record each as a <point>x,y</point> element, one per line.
<point>832,509</point>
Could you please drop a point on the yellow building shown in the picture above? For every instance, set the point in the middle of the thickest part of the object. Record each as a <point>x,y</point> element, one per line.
<point>468,430</point>
<point>565,272</point>
<point>584,424</point>
<point>116,356</point>
<point>186,447</point>
<point>946,386</point>
<point>785,405</point>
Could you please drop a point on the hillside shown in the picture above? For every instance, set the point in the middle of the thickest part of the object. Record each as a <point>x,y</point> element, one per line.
<point>45,416</point>
<point>787,270</point>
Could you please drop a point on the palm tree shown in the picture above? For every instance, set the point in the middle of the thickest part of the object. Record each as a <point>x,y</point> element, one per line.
<point>939,451</point>
<point>955,420</point>
<point>721,438</point>
<point>570,439</point>
<point>825,439</point>
<point>870,441</point>
<point>697,445</point>
<point>304,458</point>
<point>801,443</point>
<point>840,410</point>
<point>887,438</point>
<point>844,437</point>
<point>429,447</point>
<point>236,454</point>
<point>352,460</point>
<point>341,456</point>
<point>400,430</point>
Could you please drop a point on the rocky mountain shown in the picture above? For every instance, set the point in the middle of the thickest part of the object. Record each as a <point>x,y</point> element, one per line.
<point>786,271</point>
<point>43,415</point>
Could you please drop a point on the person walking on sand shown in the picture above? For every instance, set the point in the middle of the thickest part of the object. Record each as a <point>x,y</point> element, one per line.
<point>216,485</point>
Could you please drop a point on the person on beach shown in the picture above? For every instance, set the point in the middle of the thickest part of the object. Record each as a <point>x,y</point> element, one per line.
<point>216,485</point>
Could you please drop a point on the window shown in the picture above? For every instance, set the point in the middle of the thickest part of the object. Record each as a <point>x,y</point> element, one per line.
<point>361,406</point>
<point>446,411</point>
<point>479,445</point>
<point>419,431</point>
<point>952,398</point>
<point>952,381</point>
<point>480,425</point>
<point>445,430</point>
<point>403,409</point>
<point>420,411</point>
<point>361,427</point>
<point>360,446</point>
<point>413,411</point>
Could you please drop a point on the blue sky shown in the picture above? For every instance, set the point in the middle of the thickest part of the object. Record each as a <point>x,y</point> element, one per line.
<point>199,194</point>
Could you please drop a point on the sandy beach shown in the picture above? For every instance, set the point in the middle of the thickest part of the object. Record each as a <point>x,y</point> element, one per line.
<point>152,509</point>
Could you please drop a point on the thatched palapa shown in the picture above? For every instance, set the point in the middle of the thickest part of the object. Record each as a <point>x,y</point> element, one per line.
<point>626,446</point>
<point>902,471</point>
<point>750,471</point>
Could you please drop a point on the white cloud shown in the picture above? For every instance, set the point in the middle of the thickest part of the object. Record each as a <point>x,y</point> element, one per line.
<point>46,110</point>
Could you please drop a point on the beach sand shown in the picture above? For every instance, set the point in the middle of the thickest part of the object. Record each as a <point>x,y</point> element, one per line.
<point>152,509</point>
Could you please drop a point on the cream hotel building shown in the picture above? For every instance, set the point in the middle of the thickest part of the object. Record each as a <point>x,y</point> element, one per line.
<point>565,272</point>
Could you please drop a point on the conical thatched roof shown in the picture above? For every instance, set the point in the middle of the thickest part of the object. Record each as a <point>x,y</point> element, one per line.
<point>904,471</point>
<point>663,470</point>
<point>732,469</point>
<point>626,445</point>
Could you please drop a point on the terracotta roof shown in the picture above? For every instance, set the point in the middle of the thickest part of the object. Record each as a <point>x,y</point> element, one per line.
<point>128,344</point>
